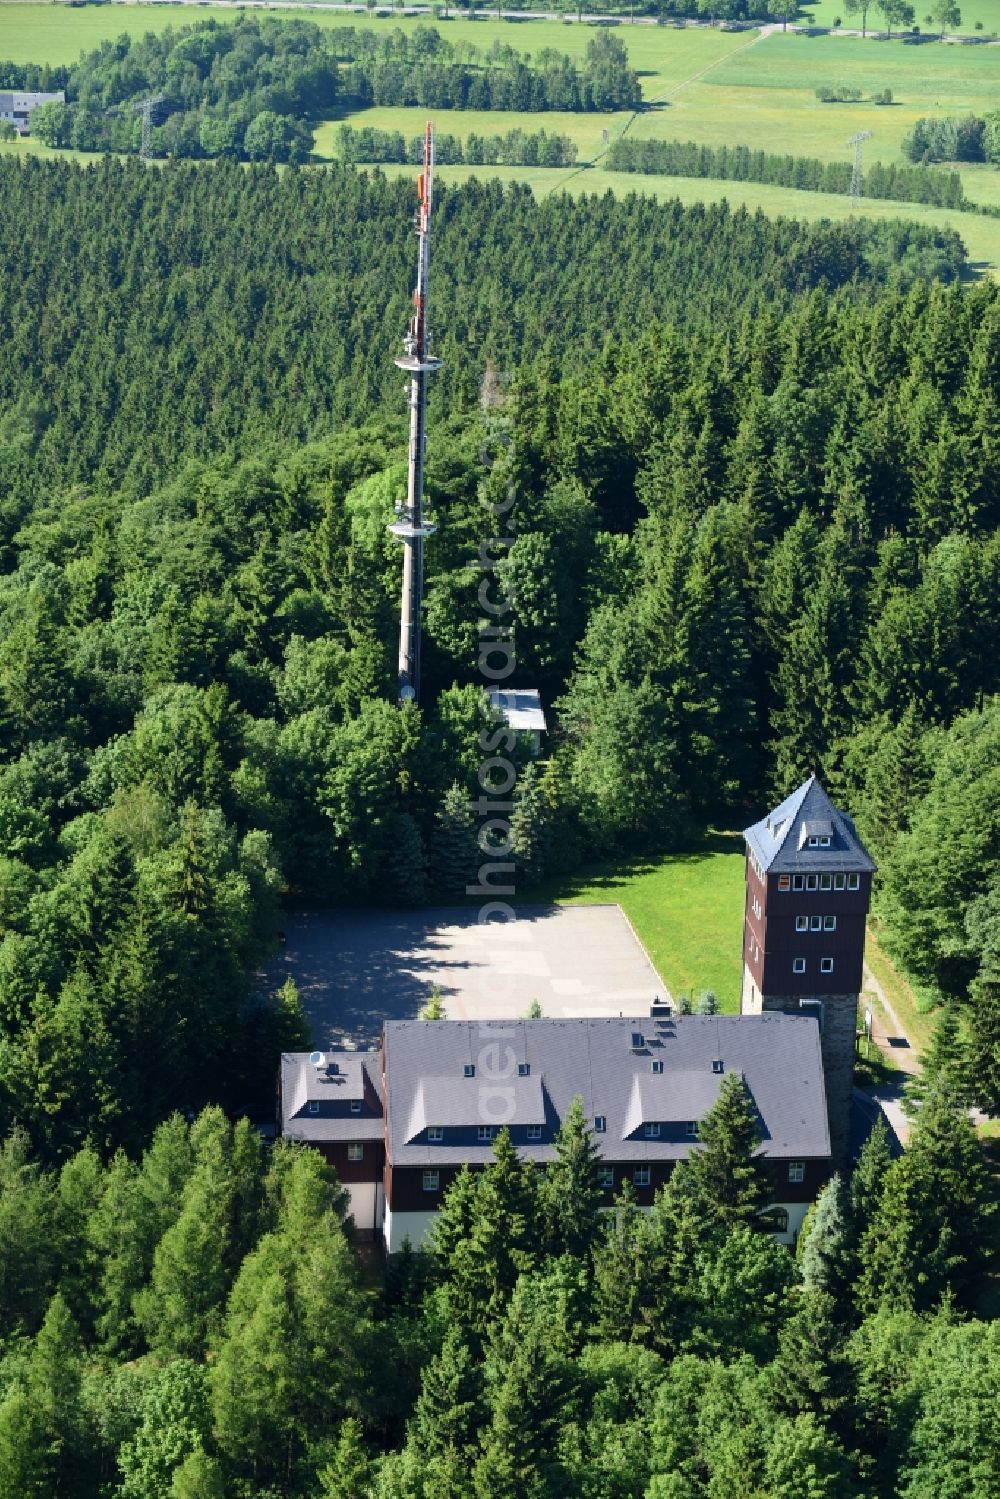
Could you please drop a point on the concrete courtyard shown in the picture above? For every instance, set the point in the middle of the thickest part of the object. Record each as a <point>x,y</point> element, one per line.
<point>355,969</point>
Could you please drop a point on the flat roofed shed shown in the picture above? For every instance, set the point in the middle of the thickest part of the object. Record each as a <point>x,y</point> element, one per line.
<point>521,707</point>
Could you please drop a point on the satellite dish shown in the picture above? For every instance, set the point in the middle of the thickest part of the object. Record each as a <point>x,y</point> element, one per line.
<point>317,1058</point>
<point>407,694</point>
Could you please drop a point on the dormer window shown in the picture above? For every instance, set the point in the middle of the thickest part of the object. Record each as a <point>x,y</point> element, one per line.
<point>484,1133</point>
<point>523,1069</point>
<point>435,1134</point>
<point>534,1132</point>
<point>355,1105</point>
<point>469,1070</point>
<point>691,1128</point>
<point>717,1065</point>
<point>651,1131</point>
<point>600,1124</point>
<point>313,1106</point>
<point>657,1066</point>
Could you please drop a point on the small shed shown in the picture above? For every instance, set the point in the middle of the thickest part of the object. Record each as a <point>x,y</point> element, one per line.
<point>522,709</point>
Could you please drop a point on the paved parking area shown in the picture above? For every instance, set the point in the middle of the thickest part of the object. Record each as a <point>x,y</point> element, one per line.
<point>355,969</point>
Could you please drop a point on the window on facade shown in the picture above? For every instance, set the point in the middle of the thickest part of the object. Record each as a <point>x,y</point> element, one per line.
<point>691,1128</point>
<point>651,1131</point>
<point>839,881</point>
<point>798,882</point>
<point>853,882</point>
<point>600,1124</point>
<point>796,1171</point>
<point>798,965</point>
<point>814,842</point>
<point>435,1134</point>
<point>826,882</point>
<point>829,923</point>
<point>432,1180</point>
<point>605,1176</point>
<point>826,965</point>
<point>355,1152</point>
<point>824,841</point>
<point>640,1176</point>
<point>802,923</point>
<point>812,882</point>
<point>313,1106</point>
<point>815,923</point>
<point>534,1131</point>
<point>484,1133</point>
<point>784,882</point>
<point>779,1218</point>
<point>355,1105</point>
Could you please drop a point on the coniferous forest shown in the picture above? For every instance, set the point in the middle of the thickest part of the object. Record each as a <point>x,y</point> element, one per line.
<point>755,532</point>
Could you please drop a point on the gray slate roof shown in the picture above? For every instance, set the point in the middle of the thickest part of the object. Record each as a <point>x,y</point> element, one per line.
<point>358,1077</point>
<point>780,841</point>
<point>777,1055</point>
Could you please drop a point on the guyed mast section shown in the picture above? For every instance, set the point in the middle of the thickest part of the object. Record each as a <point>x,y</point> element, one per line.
<point>418,362</point>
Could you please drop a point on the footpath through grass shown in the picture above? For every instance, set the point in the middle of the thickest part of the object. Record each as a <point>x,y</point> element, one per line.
<point>686,909</point>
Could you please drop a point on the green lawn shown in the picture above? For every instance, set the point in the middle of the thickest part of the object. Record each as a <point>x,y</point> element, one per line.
<point>987,12</point>
<point>687,910</point>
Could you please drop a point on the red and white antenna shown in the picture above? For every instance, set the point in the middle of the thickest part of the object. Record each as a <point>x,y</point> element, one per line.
<point>418,362</point>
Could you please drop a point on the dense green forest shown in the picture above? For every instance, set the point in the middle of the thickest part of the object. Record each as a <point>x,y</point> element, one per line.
<point>754,531</point>
<point>192,1324</point>
<point>248,89</point>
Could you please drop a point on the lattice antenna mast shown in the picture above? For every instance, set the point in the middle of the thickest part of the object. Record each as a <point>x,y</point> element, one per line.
<point>146,108</point>
<point>857,176</point>
<point>418,362</point>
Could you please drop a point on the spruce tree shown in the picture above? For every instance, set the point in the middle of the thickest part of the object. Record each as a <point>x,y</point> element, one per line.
<point>350,1472</point>
<point>728,1179</point>
<point>455,855</point>
<point>810,1372</point>
<point>622,1283</point>
<point>984,1039</point>
<point>824,1250</point>
<point>944,1065</point>
<point>449,1409</point>
<point>570,1195</point>
<point>868,1178</point>
<point>198,1477</point>
<point>529,834</point>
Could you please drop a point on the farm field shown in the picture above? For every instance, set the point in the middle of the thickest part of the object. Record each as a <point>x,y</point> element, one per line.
<point>986,12</point>
<point>713,87</point>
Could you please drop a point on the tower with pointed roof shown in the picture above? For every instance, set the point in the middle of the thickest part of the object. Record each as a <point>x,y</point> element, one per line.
<point>808,888</point>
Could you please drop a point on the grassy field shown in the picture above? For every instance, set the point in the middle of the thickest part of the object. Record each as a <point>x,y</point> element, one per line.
<point>687,910</point>
<point>986,12</point>
<point>699,84</point>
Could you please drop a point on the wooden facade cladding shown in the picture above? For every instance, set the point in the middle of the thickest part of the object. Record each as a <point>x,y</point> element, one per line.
<point>369,1169</point>
<point>771,942</point>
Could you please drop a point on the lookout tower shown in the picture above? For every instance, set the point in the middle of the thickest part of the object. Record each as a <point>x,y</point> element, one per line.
<point>808,889</point>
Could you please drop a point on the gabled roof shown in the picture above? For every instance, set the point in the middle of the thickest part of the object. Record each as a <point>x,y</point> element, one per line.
<point>357,1079</point>
<point>673,1097</point>
<point>777,1055</point>
<point>457,1103</point>
<point>780,841</point>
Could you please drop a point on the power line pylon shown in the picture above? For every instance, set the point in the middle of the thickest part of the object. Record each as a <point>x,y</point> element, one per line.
<point>418,362</point>
<point>146,108</point>
<point>857,176</point>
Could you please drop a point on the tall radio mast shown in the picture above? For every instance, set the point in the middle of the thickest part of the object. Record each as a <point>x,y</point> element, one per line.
<point>418,362</point>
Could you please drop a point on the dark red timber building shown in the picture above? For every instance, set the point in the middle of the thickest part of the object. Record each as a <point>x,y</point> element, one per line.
<point>808,889</point>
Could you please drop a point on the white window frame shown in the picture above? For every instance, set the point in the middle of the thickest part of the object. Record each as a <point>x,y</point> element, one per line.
<point>650,1131</point>
<point>691,1128</point>
<point>812,881</point>
<point>798,965</point>
<point>600,1124</point>
<point>432,1181</point>
<point>640,1176</point>
<point>829,923</point>
<point>839,881</point>
<point>854,882</point>
<point>523,1068</point>
<point>606,1177</point>
<point>355,1151</point>
<point>815,923</point>
<point>784,882</point>
<point>435,1134</point>
<point>484,1134</point>
<point>798,882</point>
<point>826,882</point>
<point>826,965</point>
<point>802,923</point>
<point>797,1172</point>
<point>355,1105</point>
<point>313,1106</point>
<point>469,1069</point>
<point>534,1132</point>
<point>657,1065</point>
